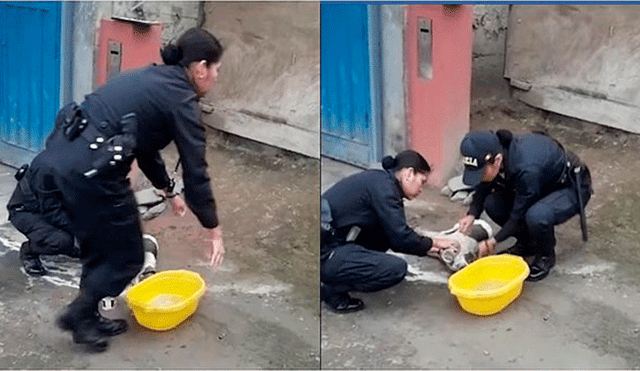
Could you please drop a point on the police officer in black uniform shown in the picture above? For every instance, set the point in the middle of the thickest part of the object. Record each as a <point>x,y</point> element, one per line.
<point>527,184</point>
<point>35,209</point>
<point>134,115</point>
<point>362,216</point>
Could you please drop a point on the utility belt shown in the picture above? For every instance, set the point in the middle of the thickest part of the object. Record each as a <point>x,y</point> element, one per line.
<point>330,236</point>
<point>577,174</point>
<point>113,143</point>
<point>575,171</point>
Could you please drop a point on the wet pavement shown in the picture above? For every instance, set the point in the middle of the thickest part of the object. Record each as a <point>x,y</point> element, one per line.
<point>584,315</point>
<point>260,309</point>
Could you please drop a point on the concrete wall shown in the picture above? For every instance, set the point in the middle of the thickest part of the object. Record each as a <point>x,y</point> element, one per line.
<point>392,19</point>
<point>268,89</point>
<point>177,16</point>
<point>81,39</point>
<point>578,60</point>
<point>490,32</point>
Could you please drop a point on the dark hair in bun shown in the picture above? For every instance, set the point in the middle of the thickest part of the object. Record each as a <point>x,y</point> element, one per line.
<point>171,54</point>
<point>406,159</point>
<point>196,44</point>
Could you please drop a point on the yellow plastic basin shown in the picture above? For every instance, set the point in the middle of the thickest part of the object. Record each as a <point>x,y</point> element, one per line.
<point>489,284</point>
<point>162,301</point>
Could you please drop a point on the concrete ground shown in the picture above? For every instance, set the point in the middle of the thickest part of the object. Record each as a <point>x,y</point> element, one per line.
<point>260,309</point>
<point>584,315</point>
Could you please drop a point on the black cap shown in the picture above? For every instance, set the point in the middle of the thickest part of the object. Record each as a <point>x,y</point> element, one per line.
<point>477,148</point>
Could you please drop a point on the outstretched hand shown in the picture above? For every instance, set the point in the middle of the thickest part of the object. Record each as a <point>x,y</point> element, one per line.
<point>178,206</point>
<point>216,254</point>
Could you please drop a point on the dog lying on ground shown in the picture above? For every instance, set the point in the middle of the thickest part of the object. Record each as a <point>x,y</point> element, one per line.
<point>456,259</point>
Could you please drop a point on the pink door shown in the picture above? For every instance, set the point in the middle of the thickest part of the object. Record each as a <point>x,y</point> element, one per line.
<point>439,42</point>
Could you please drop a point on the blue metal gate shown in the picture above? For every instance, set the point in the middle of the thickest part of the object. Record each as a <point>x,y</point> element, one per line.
<point>29,77</point>
<point>348,112</point>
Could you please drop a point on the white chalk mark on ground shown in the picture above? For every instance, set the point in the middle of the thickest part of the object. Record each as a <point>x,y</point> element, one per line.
<point>587,269</point>
<point>74,282</point>
<point>415,274</point>
<point>250,288</point>
<point>12,245</point>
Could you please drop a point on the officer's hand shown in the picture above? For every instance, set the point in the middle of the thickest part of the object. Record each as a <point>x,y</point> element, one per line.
<point>217,248</point>
<point>178,206</point>
<point>465,223</point>
<point>443,243</point>
<point>486,247</point>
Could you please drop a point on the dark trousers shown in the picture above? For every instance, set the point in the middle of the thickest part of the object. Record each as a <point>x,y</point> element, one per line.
<point>536,231</point>
<point>351,267</point>
<point>104,219</point>
<point>44,238</point>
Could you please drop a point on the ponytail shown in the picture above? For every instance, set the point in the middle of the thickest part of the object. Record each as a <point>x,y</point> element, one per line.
<point>389,163</point>
<point>406,159</point>
<point>195,45</point>
<point>171,54</point>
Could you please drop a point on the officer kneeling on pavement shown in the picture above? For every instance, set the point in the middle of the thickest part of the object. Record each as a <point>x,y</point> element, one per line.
<point>527,184</point>
<point>36,210</point>
<point>362,216</point>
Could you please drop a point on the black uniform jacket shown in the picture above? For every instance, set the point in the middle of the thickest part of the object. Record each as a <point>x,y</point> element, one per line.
<point>534,164</point>
<point>372,200</point>
<point>166,106</point>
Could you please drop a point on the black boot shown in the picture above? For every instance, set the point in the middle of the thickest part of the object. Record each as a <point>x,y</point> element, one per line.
<point>31,262</point>
<point>541,267</point>
<point>111,327</point>
<point>338,301</point>
<point>66,321</point>
<point>347,305</point>
<point>87,332</point>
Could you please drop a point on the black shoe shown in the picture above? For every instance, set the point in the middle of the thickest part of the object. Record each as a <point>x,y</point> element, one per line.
<point>517,249</point>
<point>33,266</point>
<point>87,332</point>
<point>106,326</point>
<point>111,327</point>
<point>349,305</point>
<point>540,268</point>
<point>66,321</point>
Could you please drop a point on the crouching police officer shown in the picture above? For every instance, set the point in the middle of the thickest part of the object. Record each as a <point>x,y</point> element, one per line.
<point>362,216</point>
<point>527,184</point>
<point>35,209</point>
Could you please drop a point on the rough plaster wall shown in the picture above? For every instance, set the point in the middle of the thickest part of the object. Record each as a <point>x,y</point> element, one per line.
<point>490,31</point>
<point>594,49</point>
<point>177,16</point>
<point>393,103</point>
<point>271,66</point>
<point>578,60</point>
<point>85,16</point>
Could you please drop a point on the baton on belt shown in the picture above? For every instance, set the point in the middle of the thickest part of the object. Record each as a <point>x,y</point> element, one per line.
<point>583,217</point>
